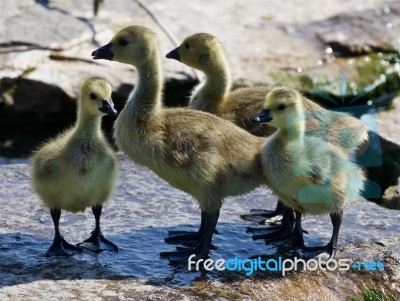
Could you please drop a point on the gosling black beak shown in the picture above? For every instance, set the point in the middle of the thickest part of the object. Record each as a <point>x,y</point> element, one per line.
<point>103,52</point>
<point>108,108</point>
<point>263,116</point>
<point>174,54</point>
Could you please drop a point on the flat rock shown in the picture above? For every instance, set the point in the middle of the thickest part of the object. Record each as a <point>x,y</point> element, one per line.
<point>138,217</point>
<point>355,33</point>
<point>36,25</point>
<point>389,122</point>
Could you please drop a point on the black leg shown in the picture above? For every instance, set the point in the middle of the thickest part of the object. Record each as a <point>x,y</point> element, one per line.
<point>296,234</point>
<point>330,248</point>
<point>97,242</point>
<point>298,231</point>
<point>262,216</point>
<point>60,245</point>
<point>336,219</point>
<point>204,245</point>
<point>282,231</point>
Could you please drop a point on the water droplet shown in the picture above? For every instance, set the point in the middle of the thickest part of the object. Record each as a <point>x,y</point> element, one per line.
<point>299,69</point>
<point>386,9</point>
<point>380,54</point>
<point>369,102</point>
<point>389,25</point>
<point>367,59</point>
<point>319,62</point>
<point>328,50</point>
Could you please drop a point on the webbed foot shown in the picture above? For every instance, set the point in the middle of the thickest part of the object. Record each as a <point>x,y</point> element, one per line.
<point>60,247</point>
<point>263,217</point>
<point>187,237</point>
<point>98,243</point>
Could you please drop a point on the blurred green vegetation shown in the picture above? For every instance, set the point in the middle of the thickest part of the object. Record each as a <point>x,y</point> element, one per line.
<point>374,294</point>
<point>376,78</point>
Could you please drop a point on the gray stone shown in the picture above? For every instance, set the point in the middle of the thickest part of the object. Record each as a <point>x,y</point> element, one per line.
<point>137,218</point>
<point>388,129</point>
<point>391,197</point>
<point>389,122</point>
<point>361,32</point>
<point>36,25</point>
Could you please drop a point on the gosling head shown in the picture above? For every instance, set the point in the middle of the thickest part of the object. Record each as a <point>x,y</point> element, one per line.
<point>197,50</point>
<point>278,104</point>
<point>96,98</point>
<point>134,45</point>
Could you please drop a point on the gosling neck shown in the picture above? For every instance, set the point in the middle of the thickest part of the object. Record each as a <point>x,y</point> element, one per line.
<point>87,126</point>
<point>294,129</point>
<point>211,93</point>
<point>146,96</point>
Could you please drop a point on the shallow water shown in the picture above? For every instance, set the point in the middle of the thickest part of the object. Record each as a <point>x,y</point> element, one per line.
<point>138,217</point>
<point>142,211</point>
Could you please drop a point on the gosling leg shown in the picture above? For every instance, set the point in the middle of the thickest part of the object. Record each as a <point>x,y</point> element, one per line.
<point>97,242</point>
<point>330,248</point>
<point>296,234</point>
<point>263,217</point>
<point>298,231</point>
<point>60,245</point>
<point>282,231</point>
<point>204,245</point>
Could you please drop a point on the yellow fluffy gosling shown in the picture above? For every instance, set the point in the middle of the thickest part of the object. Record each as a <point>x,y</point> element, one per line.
<point>196,152</point>
<point>307,173</point>
<point>78,168</point>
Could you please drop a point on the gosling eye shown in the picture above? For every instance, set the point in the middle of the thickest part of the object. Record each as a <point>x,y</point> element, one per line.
<point>187,46</point>
<point>122,42</point>
<point>93,96</point>
<point>281,107</point>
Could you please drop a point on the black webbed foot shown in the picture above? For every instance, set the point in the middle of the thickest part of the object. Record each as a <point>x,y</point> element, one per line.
<point>98,243</point>
<point>263,217</point>
<point>181,255</point>
<point>182,238</point>
<point>60,247</point>
<point>261,230</point>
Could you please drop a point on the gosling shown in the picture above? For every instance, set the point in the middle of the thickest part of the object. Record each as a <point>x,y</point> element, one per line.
<point>196,152</point>
<point>205,53</point>
<point>308,174</point>
<point>78,168</point>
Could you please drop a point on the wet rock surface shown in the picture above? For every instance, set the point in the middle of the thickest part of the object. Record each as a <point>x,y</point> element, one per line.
<point>138,217</point>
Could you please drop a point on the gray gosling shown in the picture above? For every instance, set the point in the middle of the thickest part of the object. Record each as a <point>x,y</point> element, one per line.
<point>78,168</point>
<point>196,152</point>
<point>205,53</point>
<point>307,173</point>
